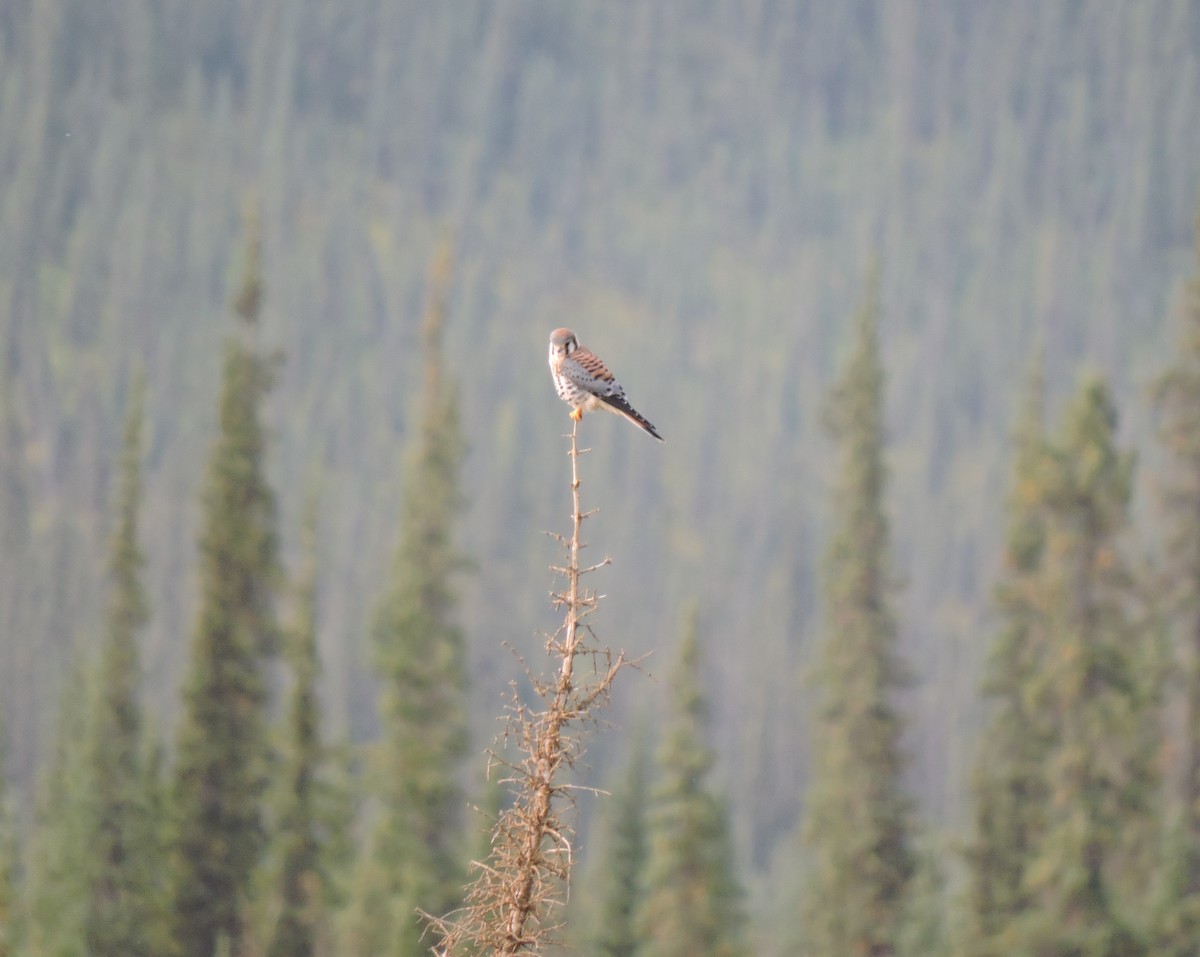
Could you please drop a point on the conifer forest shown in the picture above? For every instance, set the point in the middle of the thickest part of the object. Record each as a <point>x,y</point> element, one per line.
<point>326,632</point>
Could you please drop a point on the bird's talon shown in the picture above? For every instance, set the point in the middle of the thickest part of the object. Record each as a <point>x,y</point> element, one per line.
<point>577,414</point>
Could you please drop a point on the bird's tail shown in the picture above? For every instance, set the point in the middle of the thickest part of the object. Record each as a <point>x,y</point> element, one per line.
<point>622,407</point>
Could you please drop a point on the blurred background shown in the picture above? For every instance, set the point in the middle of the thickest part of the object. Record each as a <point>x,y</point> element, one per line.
<point>701,191</point>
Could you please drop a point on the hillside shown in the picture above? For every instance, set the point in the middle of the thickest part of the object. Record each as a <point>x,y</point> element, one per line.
<point>701,191</point>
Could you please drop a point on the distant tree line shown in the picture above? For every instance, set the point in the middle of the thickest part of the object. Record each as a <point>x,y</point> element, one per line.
<point>1085,825</point>
<point>242,842</point>
<point>714,174</point>
<point>251,833</point>
<point>254,835</point>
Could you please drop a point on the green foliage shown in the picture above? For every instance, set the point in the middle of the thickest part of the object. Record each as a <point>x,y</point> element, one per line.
<point>1178,399</point>
<point>927,928</point>
<point>1093,697</point>
<point>57,885</point>
<point>11,918</point>
<point>220,765</point>
<point>623,861</point>
<point>857,828</point>
<point>306,838</point>
<point>96,855</point>
<point>688,183</point>
<point>415,858</point>
<point>1009,786</point>
<point>125,915</point>
<point>691,903</point>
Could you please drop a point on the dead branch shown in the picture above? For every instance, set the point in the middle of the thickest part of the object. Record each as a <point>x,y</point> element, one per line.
<point>512,902</point>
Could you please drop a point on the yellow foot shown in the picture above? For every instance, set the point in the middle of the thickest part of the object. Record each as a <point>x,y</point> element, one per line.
<point>577,414</point>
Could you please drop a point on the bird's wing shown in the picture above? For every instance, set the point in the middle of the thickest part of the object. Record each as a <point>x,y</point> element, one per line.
<point>586,370</point>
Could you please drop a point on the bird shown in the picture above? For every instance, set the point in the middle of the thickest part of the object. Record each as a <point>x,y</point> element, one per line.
<point>584,382</point>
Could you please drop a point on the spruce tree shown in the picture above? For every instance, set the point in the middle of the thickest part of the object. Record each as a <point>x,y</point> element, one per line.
<point>927,929</point>
<point>857,829</point>
<point>1008,785</point>
<point>1178,401</point>
<point>415,857</point>
<point>1092,693</point>
<point>301,836</point>
<point>624,860</point>
<point>95,857</point>
<point>124,917</point>
<point>57,889</point>
<point>11,923</point>
<point>691,902</point>
<point>220,763</point>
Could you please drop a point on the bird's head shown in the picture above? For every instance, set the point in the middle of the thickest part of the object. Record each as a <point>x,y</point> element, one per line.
<point>562,343</point>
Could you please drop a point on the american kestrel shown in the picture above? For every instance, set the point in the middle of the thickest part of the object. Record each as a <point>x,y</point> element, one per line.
<point>584,382</point>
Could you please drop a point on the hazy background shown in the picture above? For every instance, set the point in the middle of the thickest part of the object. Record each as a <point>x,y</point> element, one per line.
<point>699,189</point>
